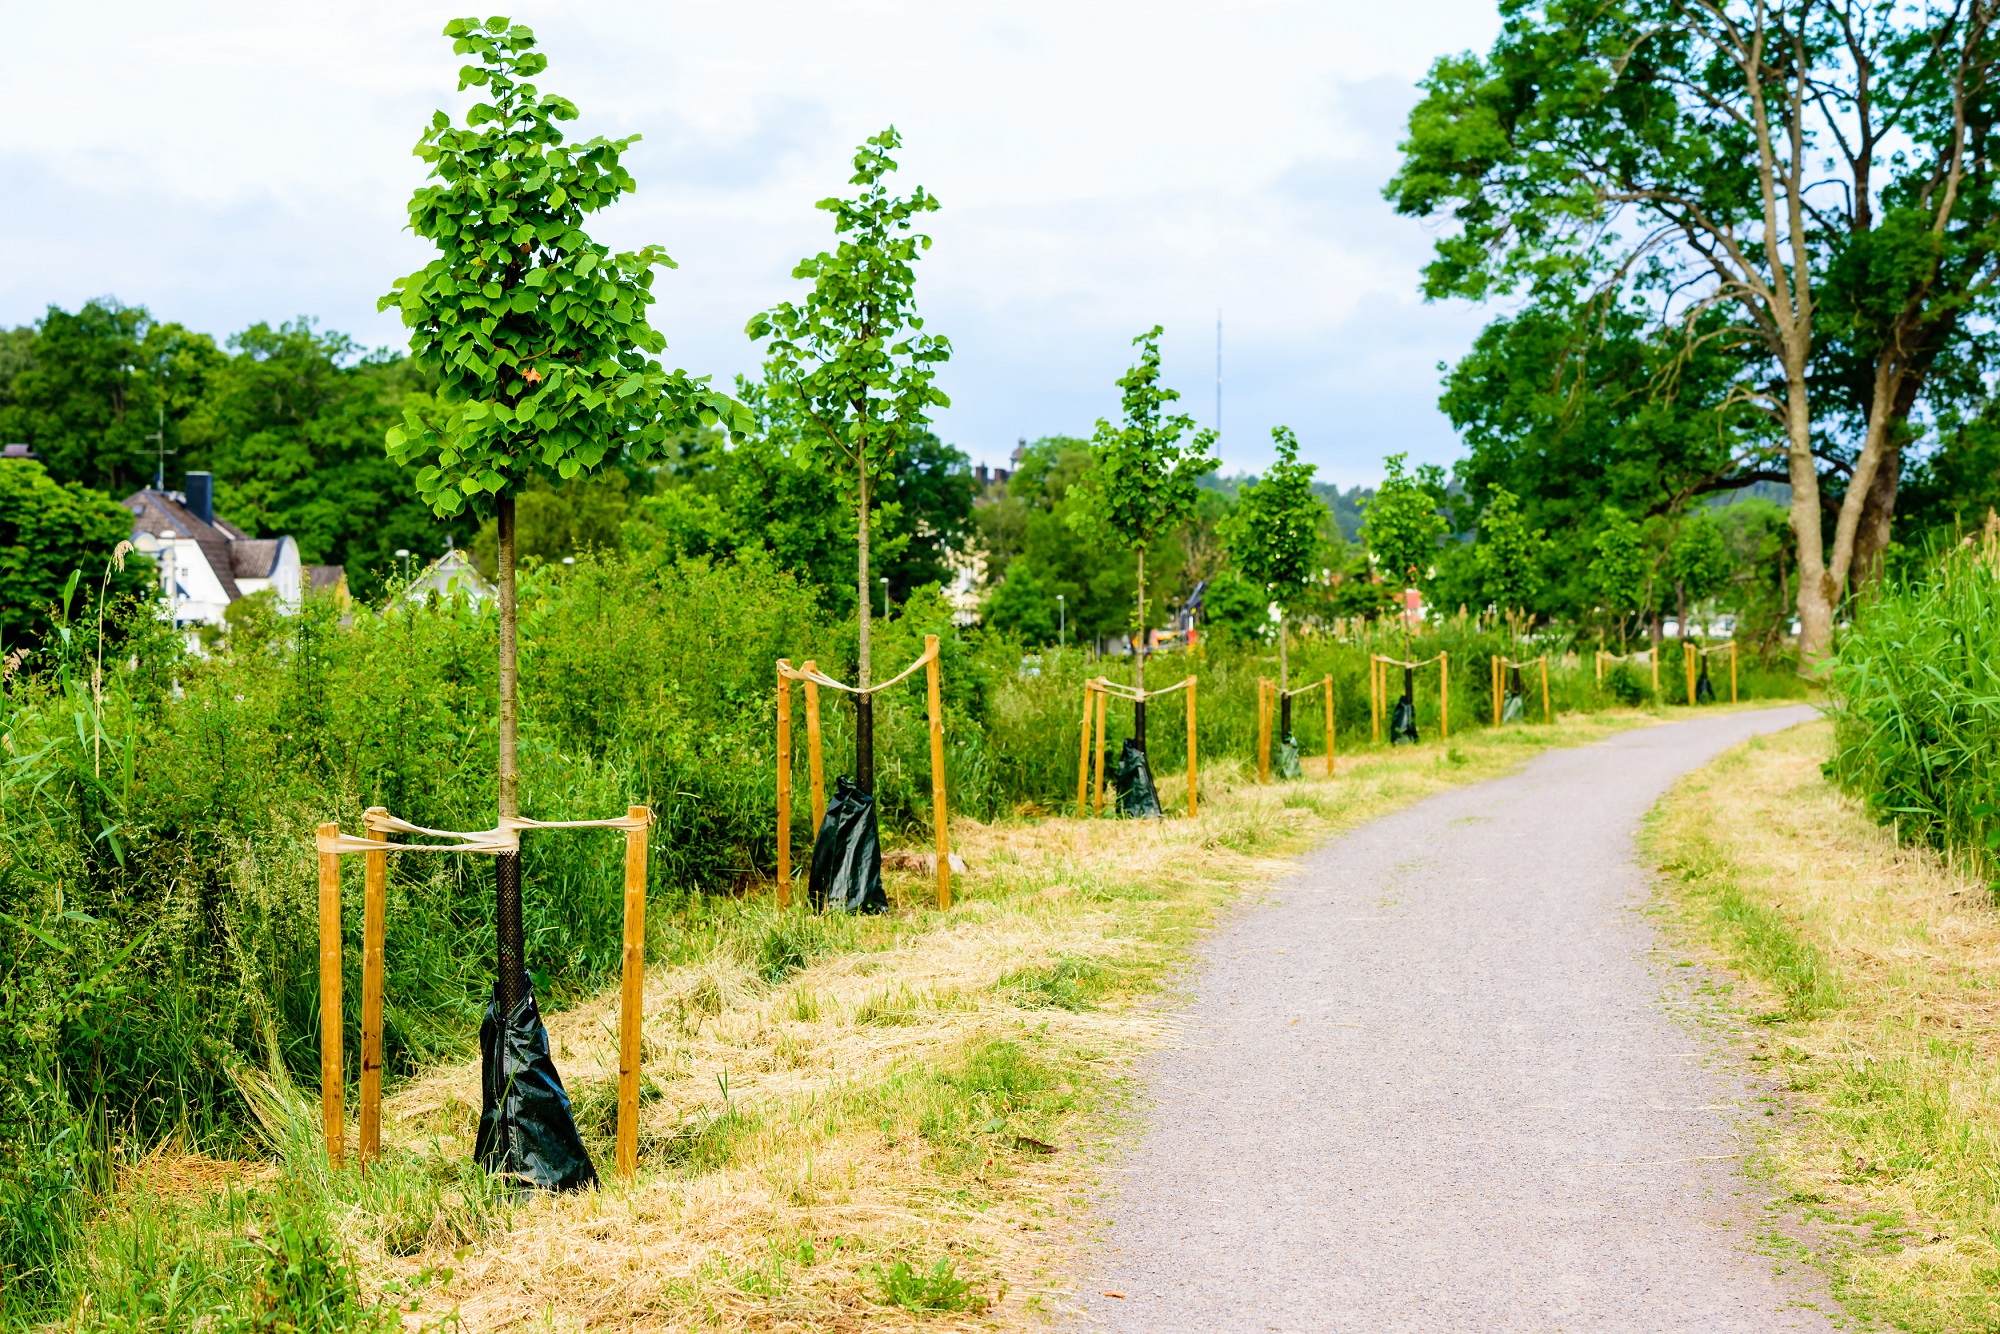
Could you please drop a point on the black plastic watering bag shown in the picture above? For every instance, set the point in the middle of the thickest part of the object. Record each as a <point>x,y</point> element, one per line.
<point>847,854</point>
<point>1704,693</point>
<point>1403,721</point>
<point>525,1128</point>
<point>1287,763</point>
<point>1133,780</point>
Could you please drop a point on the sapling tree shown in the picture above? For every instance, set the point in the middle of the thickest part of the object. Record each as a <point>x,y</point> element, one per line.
<point>537,336</point>
<point>1142,482</point>
<point>1273,535</point>
<point>853,361</point>
<point>1403,524</point>
<point>1700,562</point>
<point>1618,569</point>
<point>1508,556</point>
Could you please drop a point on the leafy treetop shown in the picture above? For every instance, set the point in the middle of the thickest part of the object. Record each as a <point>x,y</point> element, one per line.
<point>1274,532</point>
<point>1144,479</point>
<point>1618,571</point>
<point>853,357</point>
<point>537,334</point>
<point>1508,554</point>
<point>1405,521</point>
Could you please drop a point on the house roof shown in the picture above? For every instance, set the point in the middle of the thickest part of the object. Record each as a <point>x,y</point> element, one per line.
<point>321,578</point>
<point>158,512</point>
<point>254,558</point>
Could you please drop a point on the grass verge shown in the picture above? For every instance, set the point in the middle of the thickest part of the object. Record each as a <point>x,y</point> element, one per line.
<point>1867,976</point>
<point>877,1123</point>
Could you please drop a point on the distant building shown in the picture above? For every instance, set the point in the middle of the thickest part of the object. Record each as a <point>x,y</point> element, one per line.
<point>206,563</point>
<point>447,576</point>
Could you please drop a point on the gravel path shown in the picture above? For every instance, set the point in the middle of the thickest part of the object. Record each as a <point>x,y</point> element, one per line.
<point>1431,1086</point>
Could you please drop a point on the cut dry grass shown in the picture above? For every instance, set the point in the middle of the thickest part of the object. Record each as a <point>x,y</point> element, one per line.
<point>873,1123</point>
<point>1869,974</point>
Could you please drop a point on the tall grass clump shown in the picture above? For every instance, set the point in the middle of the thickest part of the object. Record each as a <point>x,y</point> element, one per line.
<point>1916,705</point>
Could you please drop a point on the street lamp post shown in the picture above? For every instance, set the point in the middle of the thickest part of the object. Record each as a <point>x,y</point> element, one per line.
<point>403,555</point>
<point>885,597</point>
<point>1062,620</point>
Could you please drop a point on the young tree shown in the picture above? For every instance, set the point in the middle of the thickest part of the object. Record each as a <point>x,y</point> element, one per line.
<point>854,362</point>
<point>539,341</point>
<point>1508,556</point>
<point>1273,535</point>
<point>1404,524</point>
<point>1619,568</point>
<point>1143,481</point>
<point>1700,562</point>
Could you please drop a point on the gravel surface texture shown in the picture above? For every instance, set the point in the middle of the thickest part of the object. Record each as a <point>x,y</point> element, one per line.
<point>1433,1083</point>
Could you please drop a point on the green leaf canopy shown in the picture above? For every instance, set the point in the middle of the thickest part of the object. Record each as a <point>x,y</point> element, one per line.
<point>537,334</point>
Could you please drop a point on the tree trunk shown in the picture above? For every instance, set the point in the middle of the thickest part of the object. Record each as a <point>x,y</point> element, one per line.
<point>1815,591</point>
<point>1878,511</point>
<point>511,965</point>
<point>864,704</point>
<point>1284,677</point>
<point>1139,661</point>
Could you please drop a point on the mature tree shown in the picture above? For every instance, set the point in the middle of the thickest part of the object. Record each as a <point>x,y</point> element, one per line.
<point>49,530</point>
<point>1035,552</point>
<point>852,360</point>
<point>538,338</point>
<point>1274,536</point>
<point>1675,145</point>
<point>89,388</point>
<point>1144,478</point>
<point>1508,556</point>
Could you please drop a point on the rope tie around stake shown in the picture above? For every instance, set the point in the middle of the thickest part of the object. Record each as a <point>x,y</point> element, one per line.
<point>502,839</point>
<point>819,678</point>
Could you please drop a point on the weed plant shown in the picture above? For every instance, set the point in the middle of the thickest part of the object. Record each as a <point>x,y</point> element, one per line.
<point>1916,706</point>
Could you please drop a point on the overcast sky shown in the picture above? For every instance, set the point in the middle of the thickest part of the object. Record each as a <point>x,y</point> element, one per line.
<point>1103,167</point>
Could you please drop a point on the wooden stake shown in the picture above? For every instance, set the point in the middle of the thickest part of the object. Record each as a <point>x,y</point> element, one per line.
<point>1263,730</point>
<point>1656,673</point>
<point>632,993</point>
<point>1191,747</point>
<point>785,785</point>
<point>1547,717</point>
<point>1329,724</point>
<point>1597,659</point>
<point>939,816</point>
<point>374,913</point>
<point>1097,801</point>
<point>1687,661</point>
<point>1083,755</point>
<point>813,758</point>
<point>332,1063</point>
<point>1375,698</point>
<point>1732,671</point>
<point>1493,670</point>
<point>1444,696</point>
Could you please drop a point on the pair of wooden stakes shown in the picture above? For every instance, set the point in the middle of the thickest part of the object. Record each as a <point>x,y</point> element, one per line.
<point>809,675</point>
<point>1097,695</point>
<point>1268,695</point>
<point>375,849</point>
<point>1378,690</point>
<point>1500,665</point>
<point>1689,654</point>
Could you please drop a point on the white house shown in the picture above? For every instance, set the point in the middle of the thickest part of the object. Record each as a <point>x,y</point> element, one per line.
<point>448,576</point>
<point>206,563</point>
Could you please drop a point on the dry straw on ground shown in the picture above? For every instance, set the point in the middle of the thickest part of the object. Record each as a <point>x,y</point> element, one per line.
<point>1870,972</point>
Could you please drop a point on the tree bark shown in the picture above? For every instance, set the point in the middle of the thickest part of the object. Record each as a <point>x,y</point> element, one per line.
<point>1878,511</point>
<point>510,964</point>
<point>1139,661</point>
<point>864,704</point>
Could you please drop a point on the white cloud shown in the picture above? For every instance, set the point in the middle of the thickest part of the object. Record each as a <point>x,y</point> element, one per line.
<point>1103,165</point>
